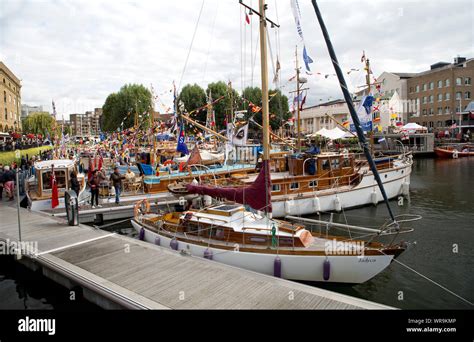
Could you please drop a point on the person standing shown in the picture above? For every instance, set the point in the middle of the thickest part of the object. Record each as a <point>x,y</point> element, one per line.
<point>9,182</point>
<point>116,179</point>
<point>1,181</point>
<point>94,186</point>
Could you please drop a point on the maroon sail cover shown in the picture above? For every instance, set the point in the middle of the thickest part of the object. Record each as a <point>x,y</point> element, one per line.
<point>254,195</point>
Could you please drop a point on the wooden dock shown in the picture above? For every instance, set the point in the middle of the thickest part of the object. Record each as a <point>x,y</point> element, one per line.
<point>115,271</point>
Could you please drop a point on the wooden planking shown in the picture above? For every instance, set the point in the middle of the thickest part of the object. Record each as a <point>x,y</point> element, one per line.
<point>156,276</point>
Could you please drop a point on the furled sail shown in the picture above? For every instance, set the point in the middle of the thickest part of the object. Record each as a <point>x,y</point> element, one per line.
<point>257,195</point>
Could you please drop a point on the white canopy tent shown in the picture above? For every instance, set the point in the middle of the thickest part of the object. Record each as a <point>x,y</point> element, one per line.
<point>333,134</point>
<point>413,127</point>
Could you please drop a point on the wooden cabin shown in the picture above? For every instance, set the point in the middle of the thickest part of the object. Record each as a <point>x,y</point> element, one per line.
<point>39,187</point>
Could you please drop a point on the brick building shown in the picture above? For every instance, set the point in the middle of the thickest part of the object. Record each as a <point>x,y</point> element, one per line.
<point>438,97</point>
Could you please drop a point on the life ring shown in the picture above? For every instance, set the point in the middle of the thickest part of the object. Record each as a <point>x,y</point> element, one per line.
<point>142,206</point>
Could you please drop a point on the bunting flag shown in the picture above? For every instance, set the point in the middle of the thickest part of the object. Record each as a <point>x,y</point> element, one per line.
<point>303,102</point>
<point>295,7</point>
<point>181,142</point>
<point>363,59</point>
<point>307,60</point>
<point>277,71</point>
<point>54,190</point>
<point>247,18</point>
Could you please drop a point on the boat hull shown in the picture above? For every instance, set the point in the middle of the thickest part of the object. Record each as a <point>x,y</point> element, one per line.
<point>396,182</point>
<point>451,154</point>
<point>344,268</point>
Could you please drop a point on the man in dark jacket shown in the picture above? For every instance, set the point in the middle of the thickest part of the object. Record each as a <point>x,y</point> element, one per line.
<point>116,179</point>
<point>94,186</point>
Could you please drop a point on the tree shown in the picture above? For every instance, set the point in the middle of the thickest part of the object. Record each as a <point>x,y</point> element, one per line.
<point>278,106</point>
<point>38,123</point>
<point>123,106</point>
<point>193,97</point>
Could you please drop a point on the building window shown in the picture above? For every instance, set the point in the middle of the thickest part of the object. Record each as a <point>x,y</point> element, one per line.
<point>431,98</point>
<point>431,111</point>
<point>425,87</point>
<point>313,184</point>
<point>467,95</point>
<point>417,88</point>
<point>440,84</point>
<point>448,96</point>
<point>431,85</point>
<point>411,90</point>
<point>459,81</point>
<point>425,99</point>
<point>276,188</point>
<point>467,81</point>
<point>439,123</point>
<point>6,114</point>
<point>440,110</point>
<point>424,112</point>
<point>294,186</point>
<point>440,97</point>
<point>447,82</point>
<point>447,110</point>
<point>458,95</point>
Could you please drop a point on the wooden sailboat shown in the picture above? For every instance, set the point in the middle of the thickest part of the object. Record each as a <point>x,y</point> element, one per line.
<point>230,234</point>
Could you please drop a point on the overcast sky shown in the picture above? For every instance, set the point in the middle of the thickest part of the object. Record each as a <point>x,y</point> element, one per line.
<point>77,52</point>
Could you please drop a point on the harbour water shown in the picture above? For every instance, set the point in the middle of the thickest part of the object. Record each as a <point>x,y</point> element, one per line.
<point>441,192</point>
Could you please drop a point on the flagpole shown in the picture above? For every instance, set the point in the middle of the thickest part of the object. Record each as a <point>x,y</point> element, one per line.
<point>298,110</point>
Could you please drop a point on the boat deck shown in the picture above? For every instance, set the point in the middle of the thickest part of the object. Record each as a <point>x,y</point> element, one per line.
<point>138,275</point>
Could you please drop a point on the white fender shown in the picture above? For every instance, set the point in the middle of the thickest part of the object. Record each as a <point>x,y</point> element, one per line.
<point>337,204</point>
<point>316,204</point>
<point>373,197</point>
<point>455,154</point>
<point>288,206</point>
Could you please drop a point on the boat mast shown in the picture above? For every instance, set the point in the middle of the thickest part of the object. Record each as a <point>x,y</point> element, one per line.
<point>298,111</point>
<point>350,104</point>
<point>264,72</point>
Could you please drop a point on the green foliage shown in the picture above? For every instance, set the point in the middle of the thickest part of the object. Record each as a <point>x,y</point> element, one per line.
<point>193,97</point>
<point>38,123</point>
<point>131,99</point>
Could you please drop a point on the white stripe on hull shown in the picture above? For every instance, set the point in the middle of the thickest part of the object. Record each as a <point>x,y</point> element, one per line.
<point>344,269</point>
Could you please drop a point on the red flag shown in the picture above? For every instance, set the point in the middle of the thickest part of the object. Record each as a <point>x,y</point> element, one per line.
<point>247,18</point>
<point>54,190</point>
<point>101,161</point>
<point>303,102</point>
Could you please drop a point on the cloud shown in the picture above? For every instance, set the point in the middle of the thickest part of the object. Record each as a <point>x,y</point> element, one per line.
<point>77,52</point>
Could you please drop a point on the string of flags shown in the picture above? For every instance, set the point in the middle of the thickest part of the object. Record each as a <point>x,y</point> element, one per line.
<point>297,15</point>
